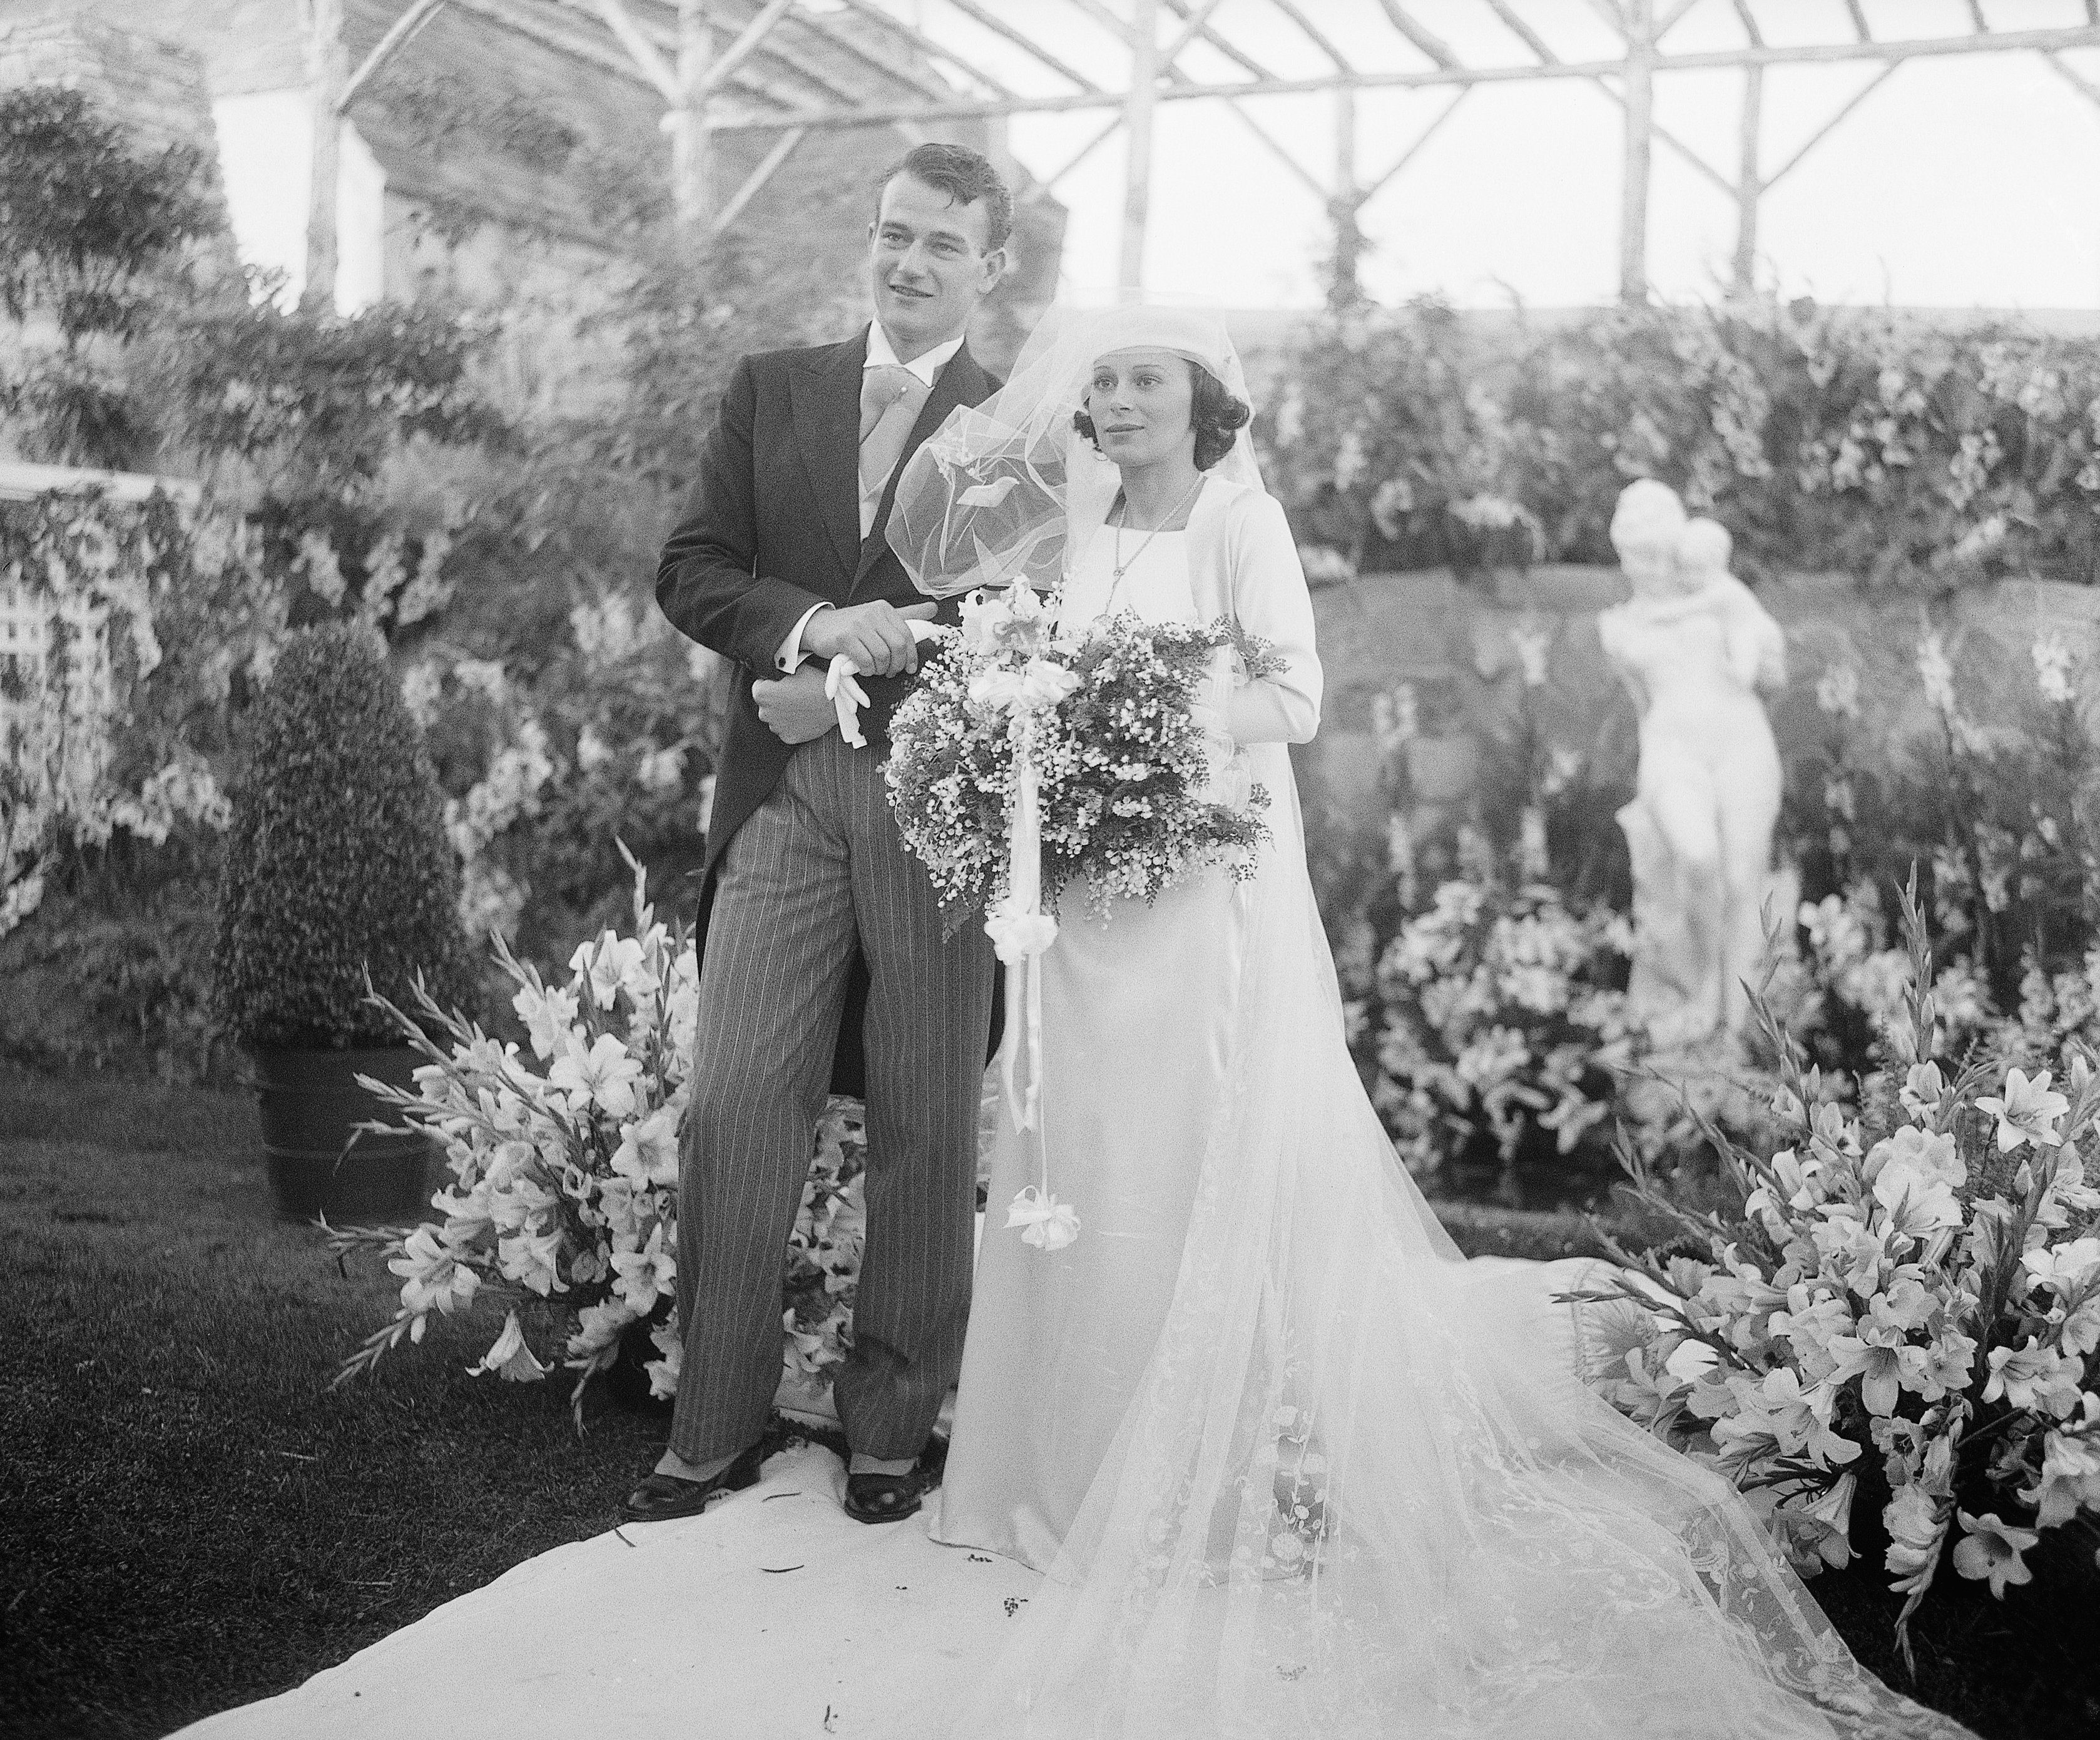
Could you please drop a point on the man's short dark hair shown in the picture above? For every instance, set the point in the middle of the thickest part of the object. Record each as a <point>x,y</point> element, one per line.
<point>966,177</point>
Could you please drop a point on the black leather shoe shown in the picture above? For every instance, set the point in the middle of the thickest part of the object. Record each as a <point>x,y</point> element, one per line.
<point>660,1497</point>
<point>891,1498</point>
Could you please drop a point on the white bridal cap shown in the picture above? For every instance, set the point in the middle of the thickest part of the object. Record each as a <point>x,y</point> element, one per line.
<point>1186,331</point>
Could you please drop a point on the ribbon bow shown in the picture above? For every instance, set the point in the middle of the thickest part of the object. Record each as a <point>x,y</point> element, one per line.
<point>1047,1223</point>
<point>846,695</point>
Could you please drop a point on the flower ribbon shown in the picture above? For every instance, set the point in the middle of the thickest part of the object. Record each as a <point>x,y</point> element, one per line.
<point>1020,929</point>
<point>846,695</point>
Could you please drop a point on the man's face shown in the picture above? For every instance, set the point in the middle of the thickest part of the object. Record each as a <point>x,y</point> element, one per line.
<point>929,265</point>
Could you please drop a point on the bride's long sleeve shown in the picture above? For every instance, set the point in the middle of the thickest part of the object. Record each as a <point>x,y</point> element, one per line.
<point>1271,600</point>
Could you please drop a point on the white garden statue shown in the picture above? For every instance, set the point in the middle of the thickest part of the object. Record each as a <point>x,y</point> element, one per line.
<point>1695,646</point>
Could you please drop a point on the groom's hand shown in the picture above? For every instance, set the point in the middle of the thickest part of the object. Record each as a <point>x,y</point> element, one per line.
<point>796,709</point>
<point>876,636</point>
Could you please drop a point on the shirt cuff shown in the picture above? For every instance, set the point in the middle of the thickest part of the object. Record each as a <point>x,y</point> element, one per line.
<point>791,655</point>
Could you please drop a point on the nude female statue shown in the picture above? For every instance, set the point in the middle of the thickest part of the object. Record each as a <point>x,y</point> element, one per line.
<point>1695,646</point>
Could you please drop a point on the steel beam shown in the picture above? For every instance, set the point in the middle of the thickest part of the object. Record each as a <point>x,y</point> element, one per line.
<point>1438,50</point>
<point>328,70</point>
<point>1750,183</point>
<point>754,183</point>
<point>399,33</point>
<point>1814,54</point>
<point>692,196</point>
<point>1137,131</point>
<point>1823,132</point>
<point>1640,99</point>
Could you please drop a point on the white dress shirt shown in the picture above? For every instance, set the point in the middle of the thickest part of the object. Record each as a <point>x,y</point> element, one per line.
<point>881,353</point>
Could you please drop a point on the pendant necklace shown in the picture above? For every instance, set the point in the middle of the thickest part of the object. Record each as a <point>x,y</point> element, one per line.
<point>1120,566</point>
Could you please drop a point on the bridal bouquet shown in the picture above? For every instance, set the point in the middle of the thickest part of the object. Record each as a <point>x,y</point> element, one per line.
<point>562,1208</point>
<point>1905,1304</point>
<point>1121,771</point>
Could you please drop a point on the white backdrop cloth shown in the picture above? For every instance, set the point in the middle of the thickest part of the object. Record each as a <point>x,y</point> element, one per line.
<point>695,1632</point>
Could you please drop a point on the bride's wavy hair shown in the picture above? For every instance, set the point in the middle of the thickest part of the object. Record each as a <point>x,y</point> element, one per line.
<point>1217,416</point>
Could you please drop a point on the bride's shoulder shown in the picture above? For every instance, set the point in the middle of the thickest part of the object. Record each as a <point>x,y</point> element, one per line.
<point>1241,506</point>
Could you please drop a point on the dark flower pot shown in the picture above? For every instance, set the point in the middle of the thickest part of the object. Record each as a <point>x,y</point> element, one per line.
<point>310,1105</point>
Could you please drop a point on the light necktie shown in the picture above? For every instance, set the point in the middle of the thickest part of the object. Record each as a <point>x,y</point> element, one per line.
<point>891,397</point>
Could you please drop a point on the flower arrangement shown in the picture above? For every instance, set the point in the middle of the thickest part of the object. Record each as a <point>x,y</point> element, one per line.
<point>564,1203</point>
<point>1499,1006</point>
<point>1906,1301</point>
<point>1122,770</point>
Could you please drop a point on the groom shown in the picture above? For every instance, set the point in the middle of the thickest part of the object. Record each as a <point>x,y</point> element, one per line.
<point>779,564</point>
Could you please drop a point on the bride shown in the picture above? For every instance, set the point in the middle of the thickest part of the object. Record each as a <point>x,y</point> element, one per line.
<point>1291,1467</point>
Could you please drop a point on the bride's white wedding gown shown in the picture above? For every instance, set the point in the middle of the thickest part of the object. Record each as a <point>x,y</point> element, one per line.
<point>1292,1467</point>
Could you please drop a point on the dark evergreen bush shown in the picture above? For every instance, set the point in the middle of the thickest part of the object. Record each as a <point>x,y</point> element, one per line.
<point>336,860</point>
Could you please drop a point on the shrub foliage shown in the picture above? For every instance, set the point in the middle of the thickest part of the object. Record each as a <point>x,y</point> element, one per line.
<point>336,863</point>
<point>1916,456</point>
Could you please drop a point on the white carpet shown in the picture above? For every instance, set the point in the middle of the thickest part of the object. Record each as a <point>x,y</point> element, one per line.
<point>773,1617</point>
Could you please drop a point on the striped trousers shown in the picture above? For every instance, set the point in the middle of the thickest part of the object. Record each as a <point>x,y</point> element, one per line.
<point>817,871</point>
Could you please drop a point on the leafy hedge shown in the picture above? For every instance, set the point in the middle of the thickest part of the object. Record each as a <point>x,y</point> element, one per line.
<point>1913,455</point>
<point>336,862</point>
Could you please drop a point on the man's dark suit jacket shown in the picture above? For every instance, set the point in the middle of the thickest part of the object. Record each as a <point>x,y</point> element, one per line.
<point>772,528</point>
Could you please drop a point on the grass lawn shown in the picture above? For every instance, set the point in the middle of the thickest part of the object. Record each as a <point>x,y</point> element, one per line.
<point>189,1519</point>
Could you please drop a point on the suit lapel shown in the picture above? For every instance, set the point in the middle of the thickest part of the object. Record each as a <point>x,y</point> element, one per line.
<point>824,395</point>
<point>962,382</point>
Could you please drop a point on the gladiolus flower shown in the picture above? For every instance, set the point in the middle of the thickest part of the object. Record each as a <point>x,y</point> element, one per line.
<point>2027,1113</point>
<point>663,1372</point>
<point>1823,1529</point>
<point>1914,1518</point>
<point>2069,1480</point>
<point>598,1328</point>
<point>648,1152</point>
<point>646,1275</point>
<point>1884,1362</point>
<point>1923,1090</point>
<point>604,1076</point>
<point>532,1260</point>
<point>2034,1377</point>
<point>613,964</point>
<point>547,1015</point>
<point>433,1277</point>
<point>1990,1550</point>
<point>1936,1158</point>
<point>2062,1268</point>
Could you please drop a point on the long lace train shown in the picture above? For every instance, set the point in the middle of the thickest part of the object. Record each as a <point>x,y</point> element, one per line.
<point>1355,1495</point>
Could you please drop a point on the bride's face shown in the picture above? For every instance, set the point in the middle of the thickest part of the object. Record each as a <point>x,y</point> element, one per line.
<point>1142,403</point>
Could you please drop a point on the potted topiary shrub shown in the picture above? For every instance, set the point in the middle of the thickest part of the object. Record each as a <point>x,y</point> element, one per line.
<point>336,866</point>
